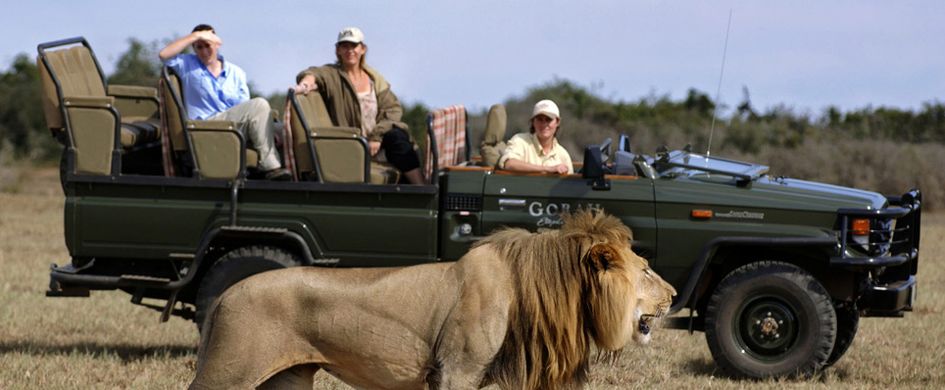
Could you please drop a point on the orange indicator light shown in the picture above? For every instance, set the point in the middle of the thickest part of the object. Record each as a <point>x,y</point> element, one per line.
<point>701,214</point>
<point>860,227</point>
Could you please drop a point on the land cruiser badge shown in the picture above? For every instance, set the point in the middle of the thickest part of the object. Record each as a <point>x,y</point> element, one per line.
<point>740,215</point>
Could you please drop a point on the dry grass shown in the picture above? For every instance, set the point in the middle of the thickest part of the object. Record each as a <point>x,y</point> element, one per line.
<point>106,342</point>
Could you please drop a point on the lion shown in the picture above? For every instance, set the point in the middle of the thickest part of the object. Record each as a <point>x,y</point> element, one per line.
<point>521,310</point>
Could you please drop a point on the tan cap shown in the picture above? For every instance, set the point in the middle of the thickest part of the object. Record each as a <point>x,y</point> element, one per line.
<point>350,34</point>
<point>546,107</point>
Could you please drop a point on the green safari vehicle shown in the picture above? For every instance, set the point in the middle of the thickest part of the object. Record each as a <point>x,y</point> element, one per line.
<point>777,272</point>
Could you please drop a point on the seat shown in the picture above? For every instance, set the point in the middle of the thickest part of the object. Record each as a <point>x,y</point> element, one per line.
<point>87,114</point>
<point>493,137</point>
<point>319,151</point>
<point>211,149</point>
<point>448,139</point>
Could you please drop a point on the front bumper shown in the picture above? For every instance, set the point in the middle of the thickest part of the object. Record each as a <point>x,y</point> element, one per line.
<point>890,285</point>
<point>889,300</point>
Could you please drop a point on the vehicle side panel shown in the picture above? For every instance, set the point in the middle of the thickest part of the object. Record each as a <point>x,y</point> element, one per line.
<point>358,228</point>
<point>737,212</point>
<point>534,202</point>
<point>148,221</point>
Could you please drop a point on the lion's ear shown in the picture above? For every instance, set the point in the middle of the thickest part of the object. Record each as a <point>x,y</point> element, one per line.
<point>601,256</point>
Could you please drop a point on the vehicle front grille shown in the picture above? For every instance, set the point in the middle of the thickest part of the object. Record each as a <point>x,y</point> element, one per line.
<point>463,202</point>
<point>892,231</point>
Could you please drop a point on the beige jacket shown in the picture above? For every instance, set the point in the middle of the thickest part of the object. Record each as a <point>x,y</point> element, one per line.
<point>342,102</point>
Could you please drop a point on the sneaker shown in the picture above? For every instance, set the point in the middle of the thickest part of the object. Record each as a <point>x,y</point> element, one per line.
<point>278,174</point>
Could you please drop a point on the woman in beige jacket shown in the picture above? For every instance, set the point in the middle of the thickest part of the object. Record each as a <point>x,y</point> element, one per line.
<point>358,96</point>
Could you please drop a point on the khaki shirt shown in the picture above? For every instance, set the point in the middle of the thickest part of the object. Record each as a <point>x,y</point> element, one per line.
<point>525,147</point>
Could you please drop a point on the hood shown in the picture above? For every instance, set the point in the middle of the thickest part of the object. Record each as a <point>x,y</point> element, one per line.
<point>766,193</point>
<point>811,195</point>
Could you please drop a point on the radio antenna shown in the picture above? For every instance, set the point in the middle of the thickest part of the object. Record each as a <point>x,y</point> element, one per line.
<point>718,89</point>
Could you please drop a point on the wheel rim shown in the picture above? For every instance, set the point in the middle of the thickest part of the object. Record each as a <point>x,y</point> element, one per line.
<point>766,328</point>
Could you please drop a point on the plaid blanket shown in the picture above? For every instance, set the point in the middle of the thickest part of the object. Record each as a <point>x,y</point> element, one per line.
<point>166,151</point>
<point>288,143</point>
<point>448,126</point>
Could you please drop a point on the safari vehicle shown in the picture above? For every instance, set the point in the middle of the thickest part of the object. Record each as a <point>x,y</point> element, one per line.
<point>776,271</point>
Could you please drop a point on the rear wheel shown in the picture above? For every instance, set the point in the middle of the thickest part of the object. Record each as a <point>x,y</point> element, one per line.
<point>770,319</point>
<point>234,266</point>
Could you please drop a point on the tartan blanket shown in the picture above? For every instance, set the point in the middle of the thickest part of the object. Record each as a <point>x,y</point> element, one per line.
<point>288,143</point>
<point>166,152</point>
<point>448,126</point>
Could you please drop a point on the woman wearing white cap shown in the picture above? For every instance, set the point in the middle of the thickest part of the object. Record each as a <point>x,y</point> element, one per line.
<point>358,96</point>
<point>538,150</point>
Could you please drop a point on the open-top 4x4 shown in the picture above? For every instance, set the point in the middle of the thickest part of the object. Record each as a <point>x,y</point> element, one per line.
<point>776,271</point>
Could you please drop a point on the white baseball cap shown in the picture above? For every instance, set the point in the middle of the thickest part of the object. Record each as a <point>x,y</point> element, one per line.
<point>350,34</point>
<point>546,107</point>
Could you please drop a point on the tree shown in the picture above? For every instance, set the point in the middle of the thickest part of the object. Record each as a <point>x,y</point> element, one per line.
<point>139,65</point>
<point>22,125</point>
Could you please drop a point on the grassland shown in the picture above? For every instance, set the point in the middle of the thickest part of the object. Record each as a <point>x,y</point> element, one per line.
<point>106,342</point>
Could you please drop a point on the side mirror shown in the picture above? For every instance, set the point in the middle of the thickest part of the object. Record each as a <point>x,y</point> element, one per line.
<point>594,168</point>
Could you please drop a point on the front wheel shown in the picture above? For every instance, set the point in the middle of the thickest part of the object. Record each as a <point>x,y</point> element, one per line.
<point>234,266</point>
<point>770,319</point>
<point>848,319</point>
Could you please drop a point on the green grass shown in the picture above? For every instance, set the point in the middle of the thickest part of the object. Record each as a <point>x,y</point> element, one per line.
<point>107,342</point>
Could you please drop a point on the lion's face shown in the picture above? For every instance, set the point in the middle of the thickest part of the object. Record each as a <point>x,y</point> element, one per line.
<point>630,297</point>
<point>654,297</point>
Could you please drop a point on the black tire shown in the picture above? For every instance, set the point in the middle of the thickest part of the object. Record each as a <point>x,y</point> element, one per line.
<point>848,320</point>
<point>770,319</point>
<point>234,266</point>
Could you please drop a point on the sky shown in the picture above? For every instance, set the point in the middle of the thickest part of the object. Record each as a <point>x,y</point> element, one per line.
<point>802,54</point>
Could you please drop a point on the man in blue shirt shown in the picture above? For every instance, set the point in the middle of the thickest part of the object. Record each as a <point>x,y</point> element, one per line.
<point>215,89</point>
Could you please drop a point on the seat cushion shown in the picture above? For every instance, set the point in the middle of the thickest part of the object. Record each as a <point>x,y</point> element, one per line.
<point>384,173</point>
<point>252,158</point>
<point>139,133</point>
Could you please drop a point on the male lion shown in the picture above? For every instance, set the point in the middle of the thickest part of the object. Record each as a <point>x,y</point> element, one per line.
<point>520,310</point>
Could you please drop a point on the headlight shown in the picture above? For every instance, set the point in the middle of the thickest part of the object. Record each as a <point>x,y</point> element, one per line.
<point>872,236</point>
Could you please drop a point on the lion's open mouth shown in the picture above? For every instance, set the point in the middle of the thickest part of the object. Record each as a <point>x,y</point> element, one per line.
<point>645,323</point>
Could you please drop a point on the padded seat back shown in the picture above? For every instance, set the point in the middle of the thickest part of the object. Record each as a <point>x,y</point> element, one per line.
<point>312,110</point>
<point>75,104</point>
<point>78,74</point>
<point>493,137</point>
<point>171,97</point>
<point>340,152</point>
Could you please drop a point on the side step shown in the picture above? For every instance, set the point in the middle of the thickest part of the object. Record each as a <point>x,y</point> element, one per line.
<point>57,290</point>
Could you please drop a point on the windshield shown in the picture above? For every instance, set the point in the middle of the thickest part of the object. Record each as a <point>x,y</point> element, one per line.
<point>679,161</point>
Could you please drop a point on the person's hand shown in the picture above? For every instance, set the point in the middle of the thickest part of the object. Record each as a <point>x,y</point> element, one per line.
<point>374,147</point>
<point>208,36</point>
<point>303,88</point>
<point>558,169</point>
<point>306,85</point>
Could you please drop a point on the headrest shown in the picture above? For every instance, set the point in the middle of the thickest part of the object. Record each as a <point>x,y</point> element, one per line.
<point>495,125</point>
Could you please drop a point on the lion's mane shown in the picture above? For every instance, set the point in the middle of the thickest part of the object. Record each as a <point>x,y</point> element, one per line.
<point>548,341</point>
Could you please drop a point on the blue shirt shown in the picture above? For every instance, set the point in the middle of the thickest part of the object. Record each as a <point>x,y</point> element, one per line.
<point>205,95</point>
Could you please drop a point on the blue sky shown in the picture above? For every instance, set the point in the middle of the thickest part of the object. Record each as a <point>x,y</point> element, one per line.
<point>804,54</point>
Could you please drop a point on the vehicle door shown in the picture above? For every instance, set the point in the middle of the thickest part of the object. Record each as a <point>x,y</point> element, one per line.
<point>534,201</point>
